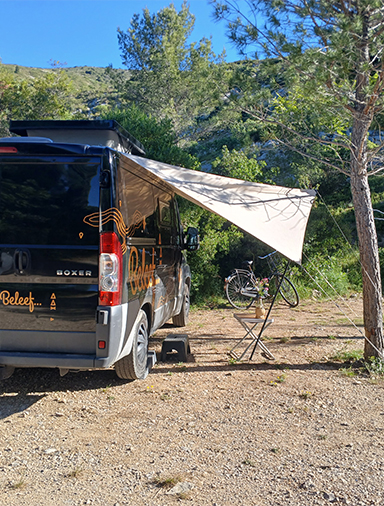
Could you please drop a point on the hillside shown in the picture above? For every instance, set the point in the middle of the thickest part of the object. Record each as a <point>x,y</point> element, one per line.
<point>92,86</point>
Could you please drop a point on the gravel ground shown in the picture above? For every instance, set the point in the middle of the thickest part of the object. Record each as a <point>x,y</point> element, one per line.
<point>300,430</point>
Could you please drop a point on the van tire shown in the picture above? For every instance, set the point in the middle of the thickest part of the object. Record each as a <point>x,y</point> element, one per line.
<point>181,319</point>
<point>135,365</point>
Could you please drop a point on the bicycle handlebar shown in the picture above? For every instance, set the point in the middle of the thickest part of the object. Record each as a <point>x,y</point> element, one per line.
<point>269,255</point>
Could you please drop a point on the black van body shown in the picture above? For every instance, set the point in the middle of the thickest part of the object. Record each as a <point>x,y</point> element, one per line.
<point>91,259</point>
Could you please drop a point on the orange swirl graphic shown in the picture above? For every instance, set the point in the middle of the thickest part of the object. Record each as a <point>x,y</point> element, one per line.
<point>111,214</point>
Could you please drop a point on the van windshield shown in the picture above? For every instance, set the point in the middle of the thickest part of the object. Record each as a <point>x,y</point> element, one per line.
<point>45,203</point>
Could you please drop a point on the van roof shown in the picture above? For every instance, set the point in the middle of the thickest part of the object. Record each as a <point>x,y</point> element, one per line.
<point>39,146</point>
<point>92,132</point>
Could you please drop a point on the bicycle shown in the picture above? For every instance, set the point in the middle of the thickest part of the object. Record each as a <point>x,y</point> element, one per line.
<point>242,286</point>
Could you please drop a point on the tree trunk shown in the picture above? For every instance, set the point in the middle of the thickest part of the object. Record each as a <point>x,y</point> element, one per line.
<point>369,252</point>
<point>361,194</point>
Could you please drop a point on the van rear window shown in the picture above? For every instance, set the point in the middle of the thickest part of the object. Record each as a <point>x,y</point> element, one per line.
<point>45,203</point>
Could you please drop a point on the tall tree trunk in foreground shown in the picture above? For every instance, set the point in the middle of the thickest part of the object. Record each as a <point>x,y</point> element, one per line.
<point>366,230</point>
<point>369,252</point>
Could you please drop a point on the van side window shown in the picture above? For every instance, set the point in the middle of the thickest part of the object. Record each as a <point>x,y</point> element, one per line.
<point>137,206</point>
<point>165,214</point>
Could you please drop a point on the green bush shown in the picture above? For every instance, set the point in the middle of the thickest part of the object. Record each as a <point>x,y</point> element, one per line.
<point>329,275</point>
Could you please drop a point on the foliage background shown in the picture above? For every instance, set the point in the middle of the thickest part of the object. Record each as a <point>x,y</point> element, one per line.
<point>179,100</point>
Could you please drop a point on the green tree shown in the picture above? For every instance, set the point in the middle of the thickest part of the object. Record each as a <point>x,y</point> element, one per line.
<point>45,97</point>
<point>217,239</point>
<point>170,79</point>
<point>6,81</point>
<point>157,136</point>
<point>238,165</point>
<point>329,109</point>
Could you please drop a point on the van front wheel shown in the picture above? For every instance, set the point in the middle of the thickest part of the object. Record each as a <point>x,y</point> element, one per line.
<point>135,365</point>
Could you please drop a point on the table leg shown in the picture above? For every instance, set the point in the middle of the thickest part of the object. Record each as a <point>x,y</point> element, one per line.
<point>255,340</point>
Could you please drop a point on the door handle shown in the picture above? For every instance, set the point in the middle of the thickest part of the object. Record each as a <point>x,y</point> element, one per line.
<point>21,261</point>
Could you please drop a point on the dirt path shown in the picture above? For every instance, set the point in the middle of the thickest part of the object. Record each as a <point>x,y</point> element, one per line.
<point>299,430</point>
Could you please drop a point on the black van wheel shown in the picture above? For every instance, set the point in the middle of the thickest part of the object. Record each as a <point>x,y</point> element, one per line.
<point>135,365</point>
<point>181,319</point>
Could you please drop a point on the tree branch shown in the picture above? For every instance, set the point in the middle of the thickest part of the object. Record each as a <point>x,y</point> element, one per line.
<point>311,157</point>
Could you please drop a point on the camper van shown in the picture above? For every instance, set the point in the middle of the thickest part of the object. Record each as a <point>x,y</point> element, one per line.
<point>91,250</point>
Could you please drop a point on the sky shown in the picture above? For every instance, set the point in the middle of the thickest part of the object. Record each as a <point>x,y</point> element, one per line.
<point>34,33</point>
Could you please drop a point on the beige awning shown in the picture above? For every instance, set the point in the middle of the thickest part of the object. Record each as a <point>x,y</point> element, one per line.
<point>275,215</point>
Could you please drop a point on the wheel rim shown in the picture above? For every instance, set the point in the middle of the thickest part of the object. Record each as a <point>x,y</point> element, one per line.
<point>233,290</point>
<point>142,342</point>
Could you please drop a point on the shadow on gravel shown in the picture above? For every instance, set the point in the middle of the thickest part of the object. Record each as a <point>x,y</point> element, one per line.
<point>27,386</point>
<point>10,405</point>
<point>164,368</point>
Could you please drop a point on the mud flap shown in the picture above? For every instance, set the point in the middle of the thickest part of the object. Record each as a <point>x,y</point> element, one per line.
<point>6,372</point>
<point>152,359</point>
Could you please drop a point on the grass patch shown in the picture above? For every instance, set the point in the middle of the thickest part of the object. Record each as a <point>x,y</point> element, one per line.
<point>19,484</point>
<point>348,356</point>
<point>250,463</point>
<point>169,482</point>
<point>75,473</point>
<point>348,371</point>
<point>374,367</point>
<point>281,378</point>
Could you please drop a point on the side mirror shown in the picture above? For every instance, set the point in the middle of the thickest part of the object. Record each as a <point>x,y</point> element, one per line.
<point>192,241</point>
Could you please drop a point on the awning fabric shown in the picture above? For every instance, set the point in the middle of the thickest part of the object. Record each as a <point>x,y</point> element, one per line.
<point>275,215</point>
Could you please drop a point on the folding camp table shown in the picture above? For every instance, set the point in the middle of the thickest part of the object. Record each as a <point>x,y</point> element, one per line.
<point>249,322</point>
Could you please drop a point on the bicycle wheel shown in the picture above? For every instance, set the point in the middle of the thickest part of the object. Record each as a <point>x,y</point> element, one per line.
<point>287,290</point>
<point>236,284</point>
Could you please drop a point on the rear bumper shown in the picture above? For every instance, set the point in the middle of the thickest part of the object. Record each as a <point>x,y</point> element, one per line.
<point>67,350</point>
<point>60,360</point>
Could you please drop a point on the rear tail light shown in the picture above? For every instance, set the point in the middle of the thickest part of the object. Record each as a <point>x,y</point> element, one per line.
<point>8,149</point>
<point>110,269</point>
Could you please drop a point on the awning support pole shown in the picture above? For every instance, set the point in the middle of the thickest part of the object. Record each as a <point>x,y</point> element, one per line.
<point>269,310</point>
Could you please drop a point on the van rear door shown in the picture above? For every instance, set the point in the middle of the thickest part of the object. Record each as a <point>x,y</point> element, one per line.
<point>48,255</point>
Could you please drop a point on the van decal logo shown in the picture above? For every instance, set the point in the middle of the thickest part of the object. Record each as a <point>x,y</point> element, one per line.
<point>141,276</point>
<point>15,300</point>
<point>112,214</point>
<point>161,301</point>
